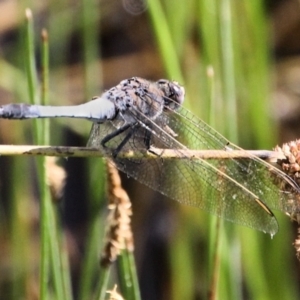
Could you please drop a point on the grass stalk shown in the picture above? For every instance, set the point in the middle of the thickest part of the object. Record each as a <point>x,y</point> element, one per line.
<point>164,40</point>
<point>44,219</point>
<point>216,224</point>
<point>49,237</point>
<point>101,291</point>
<point>31,68</point>
<point>228,67</point>
<point>90,31</point>
<point>89,270</point>
<point>62,151</point>
<point>127,276</point>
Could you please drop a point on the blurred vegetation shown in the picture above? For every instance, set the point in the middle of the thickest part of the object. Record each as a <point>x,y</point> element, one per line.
<point>221,51</point>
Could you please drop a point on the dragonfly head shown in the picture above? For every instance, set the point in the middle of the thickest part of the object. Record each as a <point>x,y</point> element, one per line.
<point>173,93</point>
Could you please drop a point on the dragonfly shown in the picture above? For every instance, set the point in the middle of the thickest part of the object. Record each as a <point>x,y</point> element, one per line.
<point>148,118</point>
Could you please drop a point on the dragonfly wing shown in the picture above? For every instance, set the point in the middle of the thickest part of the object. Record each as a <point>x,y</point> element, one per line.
<point>258,176</point>
<point>192,182</point>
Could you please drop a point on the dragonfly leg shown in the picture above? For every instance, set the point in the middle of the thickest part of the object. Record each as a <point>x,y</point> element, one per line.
<point>125,140</point>
<point>147,139</point>
<point>147,142</point>
<point>114,134</point>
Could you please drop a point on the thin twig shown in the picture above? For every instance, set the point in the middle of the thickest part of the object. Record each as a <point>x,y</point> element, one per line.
<point>63,151</point>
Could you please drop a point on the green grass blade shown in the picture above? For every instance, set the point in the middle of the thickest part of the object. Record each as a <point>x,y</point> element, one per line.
<point>45,197</point>
<point>164,40</point>
<point>103,284</point>
<point>127,276</point>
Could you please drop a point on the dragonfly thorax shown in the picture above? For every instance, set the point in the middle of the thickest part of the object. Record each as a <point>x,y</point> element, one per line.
<point>136,97</point>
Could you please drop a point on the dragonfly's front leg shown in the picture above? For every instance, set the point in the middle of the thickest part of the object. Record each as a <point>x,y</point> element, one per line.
<point>147,141</point>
